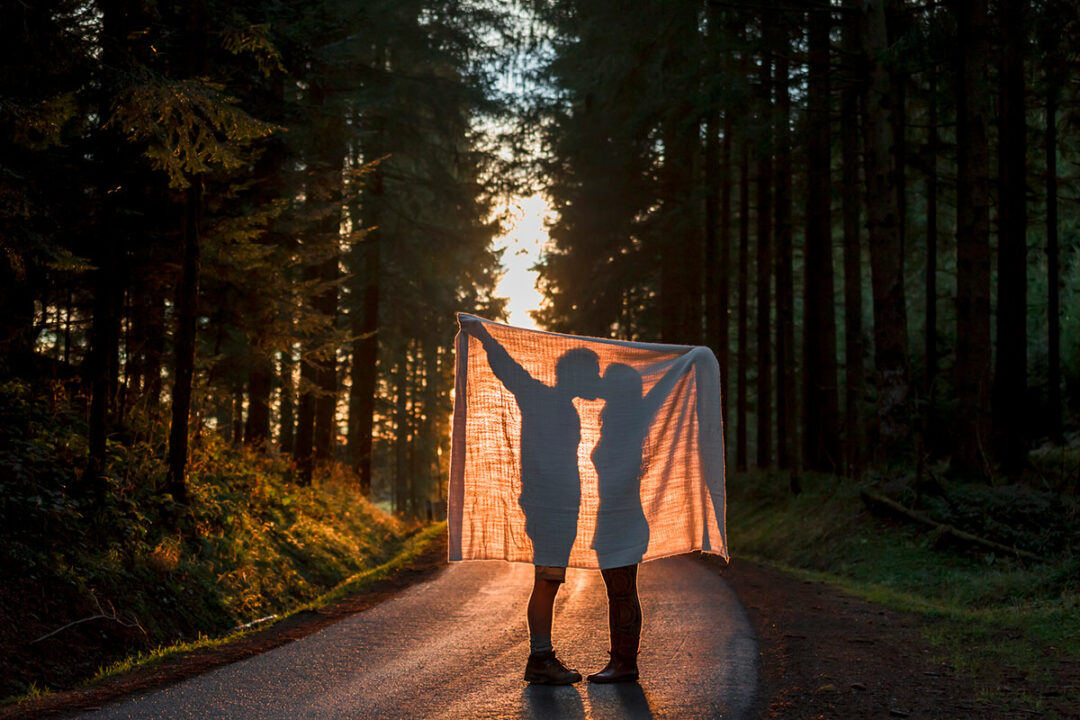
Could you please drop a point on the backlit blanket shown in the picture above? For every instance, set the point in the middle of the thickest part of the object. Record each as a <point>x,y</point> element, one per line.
<point>583,452</point>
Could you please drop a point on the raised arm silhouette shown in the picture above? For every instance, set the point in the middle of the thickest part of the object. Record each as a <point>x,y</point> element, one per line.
<point>550,433</point>
<point>622,532</point>
<point>550,482</point>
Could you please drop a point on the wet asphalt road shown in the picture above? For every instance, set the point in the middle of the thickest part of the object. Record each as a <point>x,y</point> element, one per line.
<point>455,647</point>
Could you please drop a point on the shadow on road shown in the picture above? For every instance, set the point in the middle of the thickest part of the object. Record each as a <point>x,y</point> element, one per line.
<point>541,702</point>
<point>621,700</point>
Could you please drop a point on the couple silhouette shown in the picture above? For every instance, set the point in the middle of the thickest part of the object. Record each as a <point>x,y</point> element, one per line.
<point>551,492</point>
<point>550,434</point>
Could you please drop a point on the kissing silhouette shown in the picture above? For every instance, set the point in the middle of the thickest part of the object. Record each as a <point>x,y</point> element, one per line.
<point>622,532</point>
<point>550,433</point>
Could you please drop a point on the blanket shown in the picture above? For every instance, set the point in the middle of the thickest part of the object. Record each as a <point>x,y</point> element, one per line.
<point>583,452</point>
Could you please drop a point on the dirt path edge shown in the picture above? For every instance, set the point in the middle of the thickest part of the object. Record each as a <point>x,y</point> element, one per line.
<point>826,654</point>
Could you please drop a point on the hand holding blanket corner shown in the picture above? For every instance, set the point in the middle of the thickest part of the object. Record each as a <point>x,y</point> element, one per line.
<point>583,452</point>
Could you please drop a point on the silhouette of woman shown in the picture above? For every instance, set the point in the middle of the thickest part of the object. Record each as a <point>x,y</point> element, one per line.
<point>622,532</point>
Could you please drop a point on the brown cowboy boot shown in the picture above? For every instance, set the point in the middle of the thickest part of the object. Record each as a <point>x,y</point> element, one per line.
<point>624,622</point>
<point>546,669</point>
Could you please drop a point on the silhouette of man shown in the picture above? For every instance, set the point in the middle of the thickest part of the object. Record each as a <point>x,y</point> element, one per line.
<point>550,482</point>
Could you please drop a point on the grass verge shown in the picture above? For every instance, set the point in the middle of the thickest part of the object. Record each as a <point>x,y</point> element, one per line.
<point>359,582</point>
<point>94,572</point>
<point>1014,627</point>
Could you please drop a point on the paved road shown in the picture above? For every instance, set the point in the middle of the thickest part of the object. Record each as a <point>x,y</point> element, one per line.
<point>455,647</point>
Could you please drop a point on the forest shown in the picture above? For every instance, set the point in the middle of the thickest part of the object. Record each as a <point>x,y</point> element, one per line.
<point>235,234</point>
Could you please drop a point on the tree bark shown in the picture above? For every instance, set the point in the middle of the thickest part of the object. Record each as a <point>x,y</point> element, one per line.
<point>933,148</point>
<point>742,358</point>
<point>886,247</point>
<point>764,256</point>
<point>188,293</point>
<point>287,435</point>
<point>715,312</point>
<point>401,435</point>
<point>821,446</point>
<point>305,414</point>
<point>1053,262</point>
<point>1010,377</point>
<point>723,310</point>
<point>187,299</point>
<point>260,384</point>
<point>365,320</point>
<point>854,351</point>
<point>786,402</point>
<point>326,360</point>
<point>972,370</point>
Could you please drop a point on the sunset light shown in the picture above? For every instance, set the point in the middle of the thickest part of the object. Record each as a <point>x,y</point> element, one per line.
<point>522,245</point>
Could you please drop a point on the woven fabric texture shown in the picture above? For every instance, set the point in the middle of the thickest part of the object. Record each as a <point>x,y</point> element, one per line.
<point>583,452</point>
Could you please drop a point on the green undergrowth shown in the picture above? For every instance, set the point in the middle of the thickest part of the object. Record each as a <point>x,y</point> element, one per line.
<point>415,545</point>
<point>991,616</point>
<point>87,582</point>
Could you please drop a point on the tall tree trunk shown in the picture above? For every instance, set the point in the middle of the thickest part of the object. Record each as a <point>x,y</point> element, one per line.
<point>933,148</point>
<point>103,360</point>
<point>714,311</point>
<point>269,170</point>
<point>237,415</point>
<point>287,436</point>
<point>821,445</point>
<point>260,384</point>
<point>764,257</point>
<point>742,357</point>
<point>1053,262</point>
<point>329,158</point>
<point>326,364</point>
<point>786,405</point>
<point>187,299</point>
<point>854,352</point>
<point>972,369</point>
<point>1010,376</point>
<point>188,294</point>
<point>723,310</point>
<point>154,354</point>
<point>365,318</point>
<point>886,246</point>
<point>305,413</point>
<point>101,368</point>
<point>682,253</point>
<point>401,435</point>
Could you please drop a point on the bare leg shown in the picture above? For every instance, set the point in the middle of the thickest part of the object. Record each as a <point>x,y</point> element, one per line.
<point>543,666</point>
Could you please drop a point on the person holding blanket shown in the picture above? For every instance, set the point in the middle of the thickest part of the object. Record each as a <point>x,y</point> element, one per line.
<point>658,460</point>
<point>550,483</point>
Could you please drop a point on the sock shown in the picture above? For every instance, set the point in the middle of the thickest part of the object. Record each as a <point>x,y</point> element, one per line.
<point>540,644</point>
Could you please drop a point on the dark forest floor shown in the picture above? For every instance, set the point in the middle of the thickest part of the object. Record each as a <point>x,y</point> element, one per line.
<point>827,654</point>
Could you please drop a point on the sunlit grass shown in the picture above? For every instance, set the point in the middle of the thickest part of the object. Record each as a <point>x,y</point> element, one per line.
<point>354,584</point>
<point>253,543</point>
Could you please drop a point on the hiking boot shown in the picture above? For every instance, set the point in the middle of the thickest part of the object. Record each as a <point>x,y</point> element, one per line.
<point>546,669</point>
<point>624,622</point>
<point>620,668</point>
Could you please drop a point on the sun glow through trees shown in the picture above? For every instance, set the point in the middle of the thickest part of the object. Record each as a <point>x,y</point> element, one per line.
<point>522,245</point>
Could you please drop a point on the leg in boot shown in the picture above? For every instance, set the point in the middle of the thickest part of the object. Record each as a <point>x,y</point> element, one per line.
<point>543,666</point>
<point>624,622</point>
